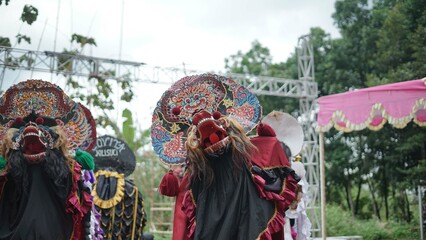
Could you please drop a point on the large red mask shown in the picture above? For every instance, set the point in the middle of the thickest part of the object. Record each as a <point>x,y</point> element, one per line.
<point>33,137</point>
<point>211,132</point>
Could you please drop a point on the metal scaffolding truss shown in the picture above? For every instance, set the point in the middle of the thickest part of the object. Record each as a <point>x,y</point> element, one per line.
<point>305,89</point>
<point>85,66</point>
<point>277,86</point>
<point>67,64</point>
<point>305,56</point>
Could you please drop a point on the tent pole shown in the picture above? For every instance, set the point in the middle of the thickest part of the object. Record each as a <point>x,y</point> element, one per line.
<point>421,211</point>
<point>322,176</point>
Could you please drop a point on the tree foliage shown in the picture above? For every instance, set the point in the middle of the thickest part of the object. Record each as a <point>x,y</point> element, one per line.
<point>255,62</point>
<point>83,40</point>
<point>29,15</point>
<point>5,42</point>
<point>5,2</point>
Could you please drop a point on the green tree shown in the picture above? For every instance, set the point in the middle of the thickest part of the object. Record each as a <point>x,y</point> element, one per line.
<point>400,44</point>
<point>255,62</point>
<point>357,48</point>
<point>380,44</point>
<point>258,62</point>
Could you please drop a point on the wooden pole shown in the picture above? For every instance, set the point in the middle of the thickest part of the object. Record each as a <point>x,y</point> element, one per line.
<point>322,176</point>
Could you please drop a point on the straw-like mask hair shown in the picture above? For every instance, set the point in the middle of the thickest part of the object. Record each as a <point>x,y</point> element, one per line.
<point>43,145</point>
<point>238,145</point>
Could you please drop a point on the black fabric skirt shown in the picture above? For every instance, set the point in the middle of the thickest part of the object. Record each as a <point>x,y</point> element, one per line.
<point>230,208</point>
<point>37,213</point>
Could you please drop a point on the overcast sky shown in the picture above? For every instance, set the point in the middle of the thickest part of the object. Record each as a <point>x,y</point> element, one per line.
<point>169,33</point>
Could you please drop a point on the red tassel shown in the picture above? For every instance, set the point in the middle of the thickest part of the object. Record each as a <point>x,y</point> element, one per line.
<point>265,130</point>
<point>169,185</point>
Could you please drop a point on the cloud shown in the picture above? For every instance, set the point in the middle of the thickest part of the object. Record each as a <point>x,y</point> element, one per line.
<point>191,33</point>
<point>168,33</point>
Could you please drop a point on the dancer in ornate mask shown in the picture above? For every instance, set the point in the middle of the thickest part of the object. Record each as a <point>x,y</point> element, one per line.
<point>46,175</point>
<point>234,192</point>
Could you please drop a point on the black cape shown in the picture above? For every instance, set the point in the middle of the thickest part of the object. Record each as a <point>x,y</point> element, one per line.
<point>230,209</point>
<point>35,213</point>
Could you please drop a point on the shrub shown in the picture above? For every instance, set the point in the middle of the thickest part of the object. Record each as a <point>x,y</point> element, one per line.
<point>341,223</point>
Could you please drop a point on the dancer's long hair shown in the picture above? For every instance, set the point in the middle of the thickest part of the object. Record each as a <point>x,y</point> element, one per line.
<point>240,147</point>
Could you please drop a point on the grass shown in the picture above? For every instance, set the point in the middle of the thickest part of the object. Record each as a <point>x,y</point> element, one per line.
<point>341,223</point>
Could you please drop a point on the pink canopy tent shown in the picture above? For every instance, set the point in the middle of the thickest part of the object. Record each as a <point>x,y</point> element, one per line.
<point>396,103</point>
